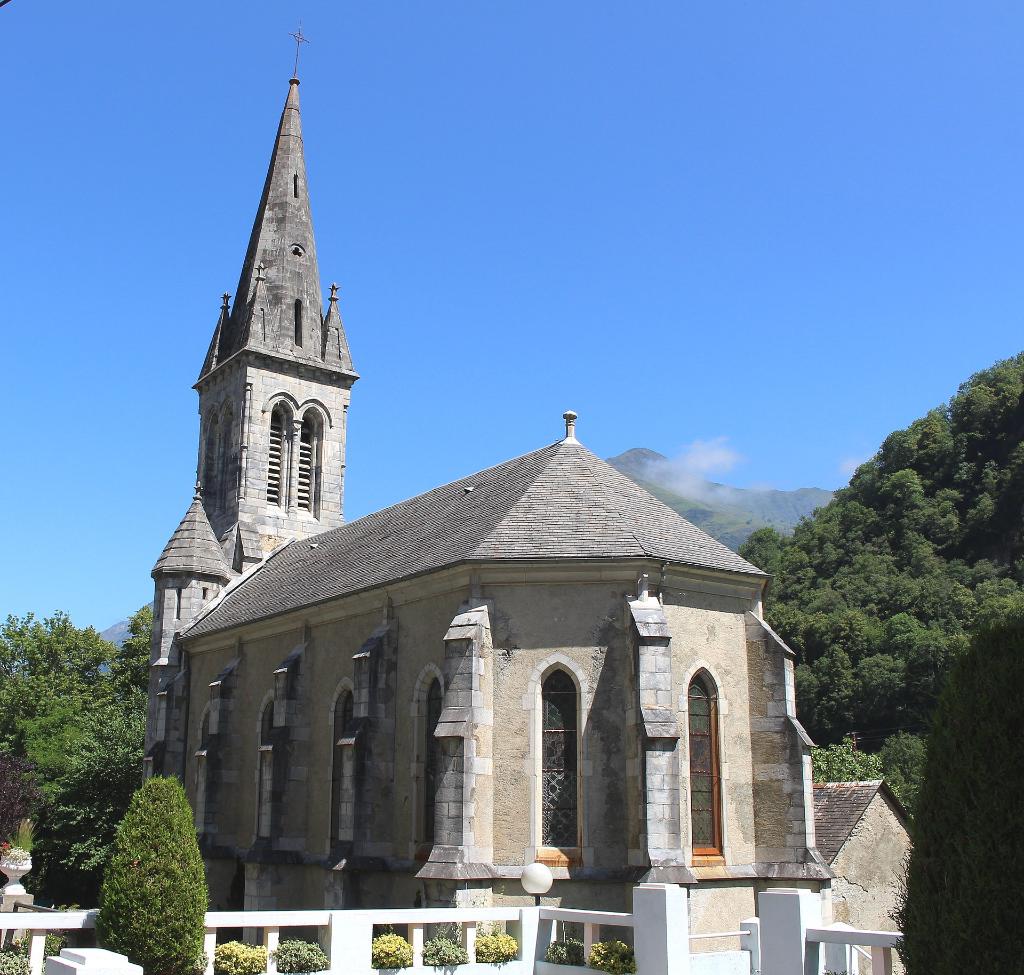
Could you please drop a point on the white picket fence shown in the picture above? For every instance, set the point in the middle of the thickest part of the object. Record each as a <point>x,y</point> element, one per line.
<point>787,938</point>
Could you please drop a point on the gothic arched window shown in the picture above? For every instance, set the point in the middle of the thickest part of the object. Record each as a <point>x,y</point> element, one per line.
<point>705,781</point>
<point>276,455</point>
<point>265,795</point>
<point>309,463</point>
<point>342,718</point>
<point>431,757</point>
<point>559,790</point>
<point>225,480</point>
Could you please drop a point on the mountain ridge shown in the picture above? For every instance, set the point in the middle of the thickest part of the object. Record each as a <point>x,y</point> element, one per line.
<point>729,514</point>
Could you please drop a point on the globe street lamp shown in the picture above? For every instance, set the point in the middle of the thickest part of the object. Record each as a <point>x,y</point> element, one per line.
<point>536,880</point>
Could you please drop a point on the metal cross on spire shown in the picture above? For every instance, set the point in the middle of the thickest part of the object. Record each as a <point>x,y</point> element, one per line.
<point>299,41</point>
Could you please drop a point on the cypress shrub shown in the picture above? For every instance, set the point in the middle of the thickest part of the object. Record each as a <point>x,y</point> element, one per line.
<point>959,912</point>
<point>154,892</point>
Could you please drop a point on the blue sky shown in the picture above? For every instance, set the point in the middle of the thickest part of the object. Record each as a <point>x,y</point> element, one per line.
<point>774,230</point>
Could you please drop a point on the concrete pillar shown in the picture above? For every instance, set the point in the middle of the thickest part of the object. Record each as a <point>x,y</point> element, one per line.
<point>785,916</point>
<point>661,929</point>
<point>349,937</point>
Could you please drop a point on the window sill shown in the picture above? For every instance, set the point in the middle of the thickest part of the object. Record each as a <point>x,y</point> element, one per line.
<point>553,856</point>
<point>707,860</point>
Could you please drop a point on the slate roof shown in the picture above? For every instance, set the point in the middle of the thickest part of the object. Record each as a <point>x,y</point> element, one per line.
<point>193,548</point>
<point>559,502</point>
<point>838,807</point>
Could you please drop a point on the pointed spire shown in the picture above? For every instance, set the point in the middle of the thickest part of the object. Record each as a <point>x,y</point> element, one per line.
<point>290,311</point>
<point>336,351</point>
<point>213,352</point>
<point>193,549</point>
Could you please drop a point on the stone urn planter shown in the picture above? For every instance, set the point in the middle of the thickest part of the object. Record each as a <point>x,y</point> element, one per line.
<point>15,866</point>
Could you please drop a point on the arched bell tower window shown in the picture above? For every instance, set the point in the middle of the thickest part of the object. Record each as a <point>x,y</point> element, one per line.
<point>309,463</point>
<point>225,459</point>
<point>265,796</point>
<point>559,761</point>
<point>705,775</point>
<point>431,757</point>
<point>276,455</point>
<point>342,719</point>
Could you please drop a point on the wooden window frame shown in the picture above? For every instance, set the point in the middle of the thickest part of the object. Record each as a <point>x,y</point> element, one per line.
<point>708,854</point>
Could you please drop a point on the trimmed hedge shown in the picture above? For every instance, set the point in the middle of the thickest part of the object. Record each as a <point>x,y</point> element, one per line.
<point>390,951</point>
<point>613,957</point>
<point>567,952</point>
<point>154,894</point>
<point>295,957</point>
<point>236,958</point>
<point>496,949</point>
<point>959,912</point>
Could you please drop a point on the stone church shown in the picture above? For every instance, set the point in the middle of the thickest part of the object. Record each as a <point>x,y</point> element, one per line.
<point>539,661</point>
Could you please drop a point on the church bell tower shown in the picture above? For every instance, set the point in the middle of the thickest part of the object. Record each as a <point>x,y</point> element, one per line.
<point>273,403</point>
<point>275,385</point>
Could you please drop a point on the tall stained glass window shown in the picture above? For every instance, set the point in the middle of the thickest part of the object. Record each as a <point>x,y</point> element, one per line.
<point>705,786</point>
<point>559,813</point>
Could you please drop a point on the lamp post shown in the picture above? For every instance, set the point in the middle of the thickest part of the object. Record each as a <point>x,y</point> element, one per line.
<point>536,880</point>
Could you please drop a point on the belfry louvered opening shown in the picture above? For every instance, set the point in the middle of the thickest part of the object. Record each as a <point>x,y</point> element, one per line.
<point>275,457</point>
<point>308,489</point>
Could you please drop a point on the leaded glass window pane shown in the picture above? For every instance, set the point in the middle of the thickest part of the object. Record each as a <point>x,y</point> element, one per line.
<point>559,821</point>
<point>705,801</point>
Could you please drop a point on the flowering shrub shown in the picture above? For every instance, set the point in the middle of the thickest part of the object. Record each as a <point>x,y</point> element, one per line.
<point>496,949</point>
<point>613,957</point>
<point>54,944</point>
<point>235,958</point>
<point>442,952</point>
<point>13,963</point>
<point>391,951</point>
<point>297,957</point>
<point>567,952</point>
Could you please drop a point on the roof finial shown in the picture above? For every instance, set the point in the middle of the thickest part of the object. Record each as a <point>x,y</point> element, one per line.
<point>224,300</point>
<point>570,426</point>
<point>198,494</point>
<point>299,41</point>
<point>334,291</point>
<point>260,268</point>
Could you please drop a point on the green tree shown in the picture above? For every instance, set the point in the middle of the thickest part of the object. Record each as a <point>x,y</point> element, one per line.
<point>85,797</point>
<point>843,763</point>
<point>958,913</point>
<point>73,705</point>
<point>45,666</point>
<point>880,590</point>
<point>154,894</point>
<point>903,757</point>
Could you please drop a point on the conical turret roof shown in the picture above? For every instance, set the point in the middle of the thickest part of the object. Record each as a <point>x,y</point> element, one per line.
<point>193,548</point>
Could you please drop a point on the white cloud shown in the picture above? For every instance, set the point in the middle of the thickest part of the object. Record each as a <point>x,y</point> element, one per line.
<point>688,472</point>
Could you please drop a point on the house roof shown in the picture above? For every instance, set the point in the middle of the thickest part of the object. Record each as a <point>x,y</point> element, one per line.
<point>559,502</point>
<point>838,807</point>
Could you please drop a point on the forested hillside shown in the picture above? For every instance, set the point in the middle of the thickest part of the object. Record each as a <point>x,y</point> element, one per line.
<point>879,590</point>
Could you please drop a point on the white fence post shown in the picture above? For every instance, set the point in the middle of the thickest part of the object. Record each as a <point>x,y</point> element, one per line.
<point>349,934</point>
<point>533,934</point>
<point>271,939</point>
<point>661,929</point>
<point>839,958</point>
<point>209,948</point>
<point>750,941</point>
<point>785,916</point>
